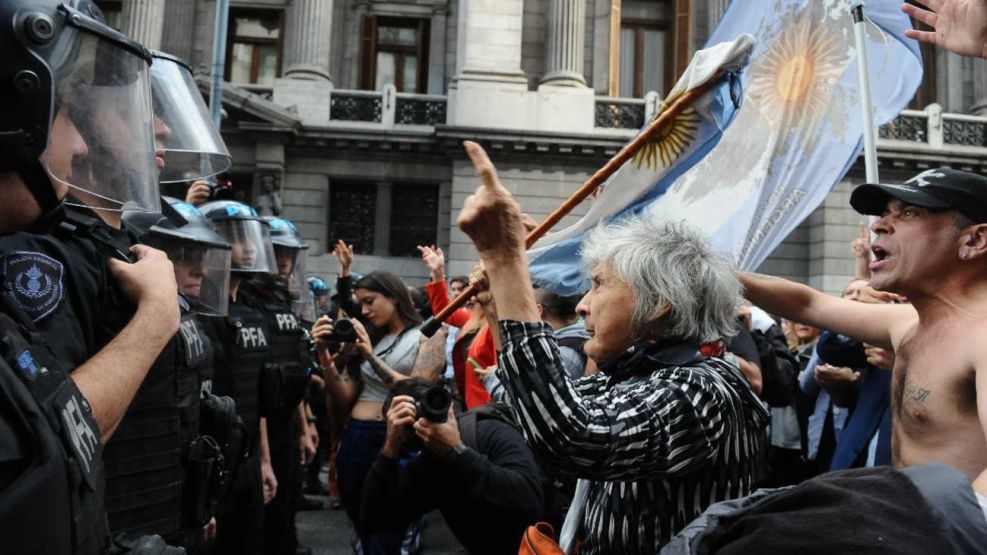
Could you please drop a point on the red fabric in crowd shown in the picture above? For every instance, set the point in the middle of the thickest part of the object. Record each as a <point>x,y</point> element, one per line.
<point>481,349</point>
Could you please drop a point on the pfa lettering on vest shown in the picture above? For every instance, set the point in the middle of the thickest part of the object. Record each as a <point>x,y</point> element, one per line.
<point>194,347</point>
<point>252,337</point>
<point>286,321</point>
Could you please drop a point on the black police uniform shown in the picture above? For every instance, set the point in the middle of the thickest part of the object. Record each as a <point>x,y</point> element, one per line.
<point>77,306</point>
<point>51,473</point>
<point>284,381</point>
<point>242,343</point>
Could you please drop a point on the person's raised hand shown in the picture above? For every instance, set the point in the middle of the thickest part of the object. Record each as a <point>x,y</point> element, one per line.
<point>490,216</point>
<point>343,253</point>
<point>959,26</point>
<point>434,260</point>
<point>860,246</point>
<point>439,438</point>
<point>198,193</point>
<point>400,415</point>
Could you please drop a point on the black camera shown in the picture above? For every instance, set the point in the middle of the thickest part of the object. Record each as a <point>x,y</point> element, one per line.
<point>433,405</point>
<point>343,332</point>
<point>221,188</point>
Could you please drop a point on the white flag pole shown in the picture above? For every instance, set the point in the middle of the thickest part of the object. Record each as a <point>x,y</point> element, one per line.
<point>866,106</point>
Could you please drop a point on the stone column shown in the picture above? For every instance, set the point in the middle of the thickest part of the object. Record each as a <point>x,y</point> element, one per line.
<point>566,39</point>
<point>979,107</point>
<point>176,37</point>
<point>489,41</point>
<point>143,20</point>
<point>307,36</point>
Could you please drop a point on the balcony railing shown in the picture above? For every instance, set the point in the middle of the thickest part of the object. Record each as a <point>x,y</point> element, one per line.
<point>387,108</point>
<point>937,129</point>
<point>624,113</point>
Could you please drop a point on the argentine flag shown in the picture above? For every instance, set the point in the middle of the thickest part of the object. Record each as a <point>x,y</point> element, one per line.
<point>799,131</point>
<point>554,260</point>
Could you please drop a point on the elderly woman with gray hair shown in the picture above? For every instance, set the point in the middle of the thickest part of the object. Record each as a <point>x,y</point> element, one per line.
<point>660,432</point>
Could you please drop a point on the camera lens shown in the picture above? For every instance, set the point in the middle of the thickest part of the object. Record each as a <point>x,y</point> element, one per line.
<point>435,404</point>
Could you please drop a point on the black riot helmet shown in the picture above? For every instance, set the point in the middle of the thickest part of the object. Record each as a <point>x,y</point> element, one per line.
<point>75,106</point>
<point>249,236</point>
<point>290,255</point>
<point>193,147</point>
<point>200,255</point>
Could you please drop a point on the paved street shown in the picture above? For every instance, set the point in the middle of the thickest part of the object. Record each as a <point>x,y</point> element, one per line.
<point>327,533</point>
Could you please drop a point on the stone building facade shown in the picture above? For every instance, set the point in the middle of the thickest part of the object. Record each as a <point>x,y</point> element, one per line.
<point>355,111</point>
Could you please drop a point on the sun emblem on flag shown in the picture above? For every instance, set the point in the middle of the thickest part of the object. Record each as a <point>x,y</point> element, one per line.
<point>796,74</point>
<point>668,145</point>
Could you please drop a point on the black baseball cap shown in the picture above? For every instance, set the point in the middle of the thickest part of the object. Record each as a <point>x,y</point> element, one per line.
<point>939,189</point>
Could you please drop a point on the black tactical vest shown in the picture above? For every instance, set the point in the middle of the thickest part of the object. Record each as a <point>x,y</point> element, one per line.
<point>246,341</point>
<point>51,471</point>
<point>284,378</point>
<point>144,457</point>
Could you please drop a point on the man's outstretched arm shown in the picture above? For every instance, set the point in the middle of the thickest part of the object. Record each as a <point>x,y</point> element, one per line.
<point>869,323</point>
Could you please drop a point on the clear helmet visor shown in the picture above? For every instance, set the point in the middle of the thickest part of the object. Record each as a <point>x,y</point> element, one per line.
<point>304,308</point>
<point>202,273</point>
<point>192,146</point>
<point>101,144</point>
<point>291,264</point>
<point>251,242</point>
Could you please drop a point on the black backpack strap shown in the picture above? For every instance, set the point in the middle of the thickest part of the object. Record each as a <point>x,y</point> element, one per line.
<point>467,428</point>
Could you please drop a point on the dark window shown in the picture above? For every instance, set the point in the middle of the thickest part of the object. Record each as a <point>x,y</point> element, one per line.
<point>253,55</point>
<point>414,218</point>
<point>352,215</point>
<point>411,212</point>
<point>394,50</point>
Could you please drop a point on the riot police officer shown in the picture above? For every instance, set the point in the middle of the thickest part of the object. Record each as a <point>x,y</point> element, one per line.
<point>284,378</point>
<point>62,71</point>
<point>243,347</point>
<point>202,270</point>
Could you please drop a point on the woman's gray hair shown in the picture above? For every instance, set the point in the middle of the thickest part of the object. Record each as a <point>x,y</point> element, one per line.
<point>669,263</point>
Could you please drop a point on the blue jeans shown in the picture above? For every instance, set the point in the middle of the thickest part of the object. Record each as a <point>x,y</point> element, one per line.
<point>358,449</point>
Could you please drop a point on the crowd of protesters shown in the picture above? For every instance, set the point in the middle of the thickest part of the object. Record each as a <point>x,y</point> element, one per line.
<point>174,380</point>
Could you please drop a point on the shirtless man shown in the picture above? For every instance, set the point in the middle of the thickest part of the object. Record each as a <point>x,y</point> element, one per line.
<point>931,246</point>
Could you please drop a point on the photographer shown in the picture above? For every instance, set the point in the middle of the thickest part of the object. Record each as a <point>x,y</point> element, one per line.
<point>393,356</point>
<point>487,492</point>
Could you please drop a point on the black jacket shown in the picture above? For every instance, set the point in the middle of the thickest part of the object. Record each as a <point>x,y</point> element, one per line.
<point>488,495</point>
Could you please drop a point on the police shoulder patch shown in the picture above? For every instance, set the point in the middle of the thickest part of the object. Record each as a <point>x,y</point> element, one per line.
<point>34,280</point>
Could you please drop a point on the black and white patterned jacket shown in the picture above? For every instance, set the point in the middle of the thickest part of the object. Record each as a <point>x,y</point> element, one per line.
<point>661,433</point>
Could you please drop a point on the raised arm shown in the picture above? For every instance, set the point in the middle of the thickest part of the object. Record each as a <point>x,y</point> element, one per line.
<point>867,322</point>
<point>493,219</point>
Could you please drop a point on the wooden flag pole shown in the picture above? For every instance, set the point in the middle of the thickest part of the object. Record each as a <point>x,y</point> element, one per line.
<point>660,124</point>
